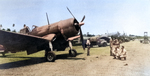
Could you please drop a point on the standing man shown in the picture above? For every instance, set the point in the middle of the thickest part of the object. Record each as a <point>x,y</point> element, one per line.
<point>117,43</point>
<point>88,43</point>
<point>111,44</point>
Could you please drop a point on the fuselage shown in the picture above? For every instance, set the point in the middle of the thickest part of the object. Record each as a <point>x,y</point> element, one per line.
<point>65,27</point>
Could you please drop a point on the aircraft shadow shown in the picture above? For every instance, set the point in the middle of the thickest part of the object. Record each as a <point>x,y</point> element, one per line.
<point>33,60</point>
<point>16,57</point>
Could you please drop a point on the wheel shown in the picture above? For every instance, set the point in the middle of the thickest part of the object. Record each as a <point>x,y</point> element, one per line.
<point>104,44</point>
<point>50,56</point>
<point>73,53</point>
<point>99,45</point>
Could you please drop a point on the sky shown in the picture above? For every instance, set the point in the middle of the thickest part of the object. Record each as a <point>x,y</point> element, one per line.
<point>101,16</point>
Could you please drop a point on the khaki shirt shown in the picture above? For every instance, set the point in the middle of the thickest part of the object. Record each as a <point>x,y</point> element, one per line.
<point>123,53</point>
<point>88,42</point>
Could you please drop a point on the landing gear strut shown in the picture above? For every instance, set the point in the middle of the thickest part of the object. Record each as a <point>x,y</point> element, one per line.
<point>72,52</point>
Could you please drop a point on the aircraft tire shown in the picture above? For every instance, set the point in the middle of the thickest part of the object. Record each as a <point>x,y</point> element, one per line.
<point>50,56</point>
<point>73,53</point>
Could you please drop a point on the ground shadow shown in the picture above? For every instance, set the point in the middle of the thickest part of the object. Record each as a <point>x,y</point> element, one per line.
<point>67,57</point>
<point>99,47</point>
<point>4,56</point>
<point>31,61</point>
<point>16,57</point>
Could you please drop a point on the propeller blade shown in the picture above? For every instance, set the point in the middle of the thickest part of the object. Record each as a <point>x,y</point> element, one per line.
<point>81,36</point>
<point>70,12</point>
<point>13,25</point>
<point>83,18</point>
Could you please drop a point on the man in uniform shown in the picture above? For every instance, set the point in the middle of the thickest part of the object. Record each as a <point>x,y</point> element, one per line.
<point>88,43</point>
<point>111,44</point>
<point>116,52</point>
<point>115,44</point>
<point>123,53</point>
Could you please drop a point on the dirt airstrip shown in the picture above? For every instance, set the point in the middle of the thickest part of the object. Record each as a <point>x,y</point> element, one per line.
<point>137,64</point>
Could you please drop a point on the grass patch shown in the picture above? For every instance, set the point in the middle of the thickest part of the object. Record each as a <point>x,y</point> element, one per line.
<point>20,56</point>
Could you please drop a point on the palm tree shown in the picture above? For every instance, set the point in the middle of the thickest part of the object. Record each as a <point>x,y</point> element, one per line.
<point>8,29</point>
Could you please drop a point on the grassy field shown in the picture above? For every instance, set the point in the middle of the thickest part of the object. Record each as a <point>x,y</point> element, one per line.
<point>19,56</point>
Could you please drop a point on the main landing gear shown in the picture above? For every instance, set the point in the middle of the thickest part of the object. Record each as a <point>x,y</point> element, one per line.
<point>50,55</point>
<point>72,52</point>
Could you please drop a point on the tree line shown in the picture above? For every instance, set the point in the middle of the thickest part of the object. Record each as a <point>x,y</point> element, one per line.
<point>8,29</point>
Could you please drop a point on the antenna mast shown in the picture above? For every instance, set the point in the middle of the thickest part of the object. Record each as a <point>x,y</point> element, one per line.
<point>47,19</point>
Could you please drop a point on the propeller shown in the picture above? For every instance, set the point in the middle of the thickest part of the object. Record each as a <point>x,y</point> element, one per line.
<point>81,36</point>
<point>47,19</point>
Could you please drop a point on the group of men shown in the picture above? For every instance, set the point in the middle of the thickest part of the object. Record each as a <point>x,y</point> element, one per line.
<point>116,51</point>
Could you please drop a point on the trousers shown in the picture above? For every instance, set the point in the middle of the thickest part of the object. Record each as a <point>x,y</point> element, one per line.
<point>88,50</point>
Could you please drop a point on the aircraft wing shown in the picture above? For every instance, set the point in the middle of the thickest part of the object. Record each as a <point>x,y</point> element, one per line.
<point>15,42</point>
<point>49,37</point>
